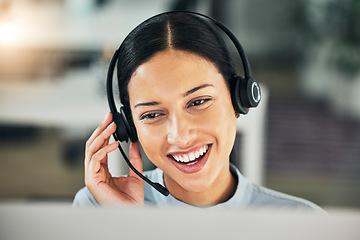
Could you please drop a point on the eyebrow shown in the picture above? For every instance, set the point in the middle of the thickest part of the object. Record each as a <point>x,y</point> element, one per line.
<point>197,88</point>
<point>186,94</point>
<point>146,104</point>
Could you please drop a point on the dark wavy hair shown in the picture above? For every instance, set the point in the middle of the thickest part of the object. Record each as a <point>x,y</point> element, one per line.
<point>179,31</point>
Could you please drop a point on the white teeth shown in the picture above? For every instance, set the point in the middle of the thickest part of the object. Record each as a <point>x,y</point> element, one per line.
<point>202,150</point>
<point>185,158</point>
<point>192,156</point>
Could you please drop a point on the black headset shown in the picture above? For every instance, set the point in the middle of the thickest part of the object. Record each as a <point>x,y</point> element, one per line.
<point>245,94</point>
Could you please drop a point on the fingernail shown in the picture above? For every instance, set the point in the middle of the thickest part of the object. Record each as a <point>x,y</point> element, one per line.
<point>106,116</point>
<point>110,125</point>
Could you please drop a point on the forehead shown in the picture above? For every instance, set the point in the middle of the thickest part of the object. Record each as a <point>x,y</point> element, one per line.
<point>173,70</point>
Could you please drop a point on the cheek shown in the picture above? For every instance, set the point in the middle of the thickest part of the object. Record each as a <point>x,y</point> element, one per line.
<point>223,126</point>
<point>151,140</point>
<point>222,114</point>
<point>226,130</point>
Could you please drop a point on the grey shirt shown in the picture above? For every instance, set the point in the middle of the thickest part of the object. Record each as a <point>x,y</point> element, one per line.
<point>247,195</point>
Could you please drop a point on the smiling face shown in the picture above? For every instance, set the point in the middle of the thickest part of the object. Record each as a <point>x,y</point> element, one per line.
<point>185,121</point>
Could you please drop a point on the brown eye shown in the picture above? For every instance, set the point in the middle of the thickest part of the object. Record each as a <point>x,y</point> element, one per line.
<point>149,116</point>
<point>199,102</point>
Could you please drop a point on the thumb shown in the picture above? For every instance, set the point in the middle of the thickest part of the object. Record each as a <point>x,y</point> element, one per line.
<point>135,159</point>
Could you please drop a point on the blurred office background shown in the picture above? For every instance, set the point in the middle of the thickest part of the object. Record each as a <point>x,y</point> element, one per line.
<point>306,54</point>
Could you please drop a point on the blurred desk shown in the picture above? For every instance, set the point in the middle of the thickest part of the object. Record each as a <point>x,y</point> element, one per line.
<point>61,221</point>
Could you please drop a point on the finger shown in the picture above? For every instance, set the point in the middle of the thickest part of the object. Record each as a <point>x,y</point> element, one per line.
<point>101,141</point>
<point>100,157</point>
<point>135,159</point>
<point>104,124</point>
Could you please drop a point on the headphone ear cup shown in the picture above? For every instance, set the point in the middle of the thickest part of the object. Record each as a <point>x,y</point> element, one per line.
<point>129,126</point>
<point>237,82</point>
<point>120,132</point>
<point>245,94</point>
<point>250,93</point>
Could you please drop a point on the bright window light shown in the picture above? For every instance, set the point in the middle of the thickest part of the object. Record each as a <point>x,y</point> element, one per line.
<point>8,34</point>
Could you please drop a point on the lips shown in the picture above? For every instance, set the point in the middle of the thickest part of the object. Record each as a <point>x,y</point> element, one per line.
<point>191,161</point>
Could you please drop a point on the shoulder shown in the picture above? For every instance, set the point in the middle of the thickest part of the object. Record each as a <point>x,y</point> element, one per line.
<point>84,198</point>
<point>252,195</point>
<point>262,196</point>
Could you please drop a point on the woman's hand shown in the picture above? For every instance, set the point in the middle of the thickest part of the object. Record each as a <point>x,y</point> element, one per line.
<point>105,188</point>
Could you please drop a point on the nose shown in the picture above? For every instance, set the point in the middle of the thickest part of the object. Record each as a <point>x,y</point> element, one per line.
<point>181,131</point>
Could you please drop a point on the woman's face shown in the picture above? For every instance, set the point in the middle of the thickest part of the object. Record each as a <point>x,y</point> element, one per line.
<point>184,119</point>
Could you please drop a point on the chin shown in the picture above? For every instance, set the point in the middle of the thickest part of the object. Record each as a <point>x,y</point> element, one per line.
<point>196,185</point>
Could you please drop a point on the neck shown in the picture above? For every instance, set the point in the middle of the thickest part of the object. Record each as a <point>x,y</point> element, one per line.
<point>221,190</point>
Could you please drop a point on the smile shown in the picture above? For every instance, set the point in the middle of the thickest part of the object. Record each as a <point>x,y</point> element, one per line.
<point>191,158</point>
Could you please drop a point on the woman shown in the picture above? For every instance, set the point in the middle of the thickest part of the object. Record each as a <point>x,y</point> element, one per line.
<point>175,75</point>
